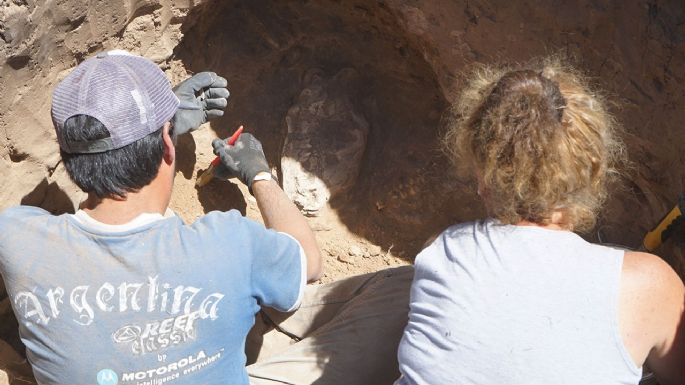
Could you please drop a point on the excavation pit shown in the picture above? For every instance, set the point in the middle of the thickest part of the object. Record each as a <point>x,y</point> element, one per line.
<point>344,94</point>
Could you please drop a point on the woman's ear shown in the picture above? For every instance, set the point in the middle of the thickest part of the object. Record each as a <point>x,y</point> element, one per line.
<point>169,148</point>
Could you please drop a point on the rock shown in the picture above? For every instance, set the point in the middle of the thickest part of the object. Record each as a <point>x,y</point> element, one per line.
<point>356,251</point>
<point>325,141</point>
<point>345,259</point>
<point>375,250</point>
<point>152,35</point>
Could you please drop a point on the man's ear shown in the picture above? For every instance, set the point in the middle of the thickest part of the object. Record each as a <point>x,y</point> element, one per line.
<point>169,148</point>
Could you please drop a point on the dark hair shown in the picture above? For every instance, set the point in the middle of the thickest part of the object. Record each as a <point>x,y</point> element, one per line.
<point>112,173</point>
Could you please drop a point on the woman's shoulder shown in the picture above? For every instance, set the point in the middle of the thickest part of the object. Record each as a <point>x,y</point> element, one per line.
<point>651,315</point>
<point>651,278</point>
<point>645,267</point>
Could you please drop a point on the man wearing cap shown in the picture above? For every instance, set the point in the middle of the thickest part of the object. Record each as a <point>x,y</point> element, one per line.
<point>122,291</point>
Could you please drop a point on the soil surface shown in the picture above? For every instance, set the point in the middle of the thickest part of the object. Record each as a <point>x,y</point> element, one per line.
<point>408,56</point>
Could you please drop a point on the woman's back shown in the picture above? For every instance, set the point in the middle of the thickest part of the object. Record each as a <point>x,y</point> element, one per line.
<point>504,304</point>
<point>527,301</point>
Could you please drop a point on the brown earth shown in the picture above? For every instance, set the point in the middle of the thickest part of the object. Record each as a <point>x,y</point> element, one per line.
<point>409,55</point>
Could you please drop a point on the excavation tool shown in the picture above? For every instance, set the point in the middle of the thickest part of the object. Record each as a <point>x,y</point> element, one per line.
<point>209,172</point>
<point>666,226</point>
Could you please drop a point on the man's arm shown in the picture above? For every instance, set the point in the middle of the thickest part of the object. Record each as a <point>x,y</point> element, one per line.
<point>280,214</point>
<point>245,160</point>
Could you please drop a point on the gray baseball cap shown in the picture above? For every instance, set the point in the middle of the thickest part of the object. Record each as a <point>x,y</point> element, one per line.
<point>128,94</point>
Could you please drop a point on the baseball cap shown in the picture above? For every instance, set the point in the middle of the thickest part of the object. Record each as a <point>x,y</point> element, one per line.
<point>128,94</point>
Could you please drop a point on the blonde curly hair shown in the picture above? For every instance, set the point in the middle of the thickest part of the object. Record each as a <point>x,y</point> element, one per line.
<point>540,140</point>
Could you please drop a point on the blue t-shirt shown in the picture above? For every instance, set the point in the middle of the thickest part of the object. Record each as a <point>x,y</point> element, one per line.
<point>159,302</point>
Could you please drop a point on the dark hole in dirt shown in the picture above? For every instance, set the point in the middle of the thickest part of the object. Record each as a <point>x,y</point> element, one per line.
<point>268,50</point>
<point>17,62</point>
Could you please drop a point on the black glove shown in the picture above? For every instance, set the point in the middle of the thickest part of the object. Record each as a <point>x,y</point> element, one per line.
<point>203,96</point>
<point>245,159</point>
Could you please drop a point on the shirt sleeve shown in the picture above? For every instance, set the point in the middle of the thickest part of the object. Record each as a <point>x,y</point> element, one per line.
<point>13,226</point>
<point>272,264</point>
<point>278,272</point>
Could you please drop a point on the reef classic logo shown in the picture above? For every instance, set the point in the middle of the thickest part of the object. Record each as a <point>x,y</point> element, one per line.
<point>126,333</point>
<point>161,334</point>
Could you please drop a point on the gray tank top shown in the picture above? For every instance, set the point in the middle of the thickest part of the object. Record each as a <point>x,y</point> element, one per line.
<point>500,304</point>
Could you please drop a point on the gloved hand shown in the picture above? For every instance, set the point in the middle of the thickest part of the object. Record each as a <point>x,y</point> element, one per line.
<point>203,96</point>
<point>245,159</point>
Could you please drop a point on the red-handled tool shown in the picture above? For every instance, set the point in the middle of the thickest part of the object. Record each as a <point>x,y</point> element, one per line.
<point>209,172</point>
